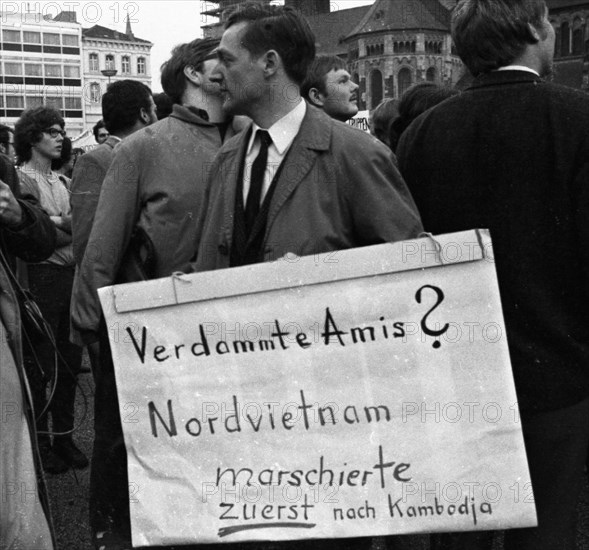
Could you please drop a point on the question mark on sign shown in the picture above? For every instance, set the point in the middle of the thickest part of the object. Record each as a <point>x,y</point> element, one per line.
<point>424,327</point>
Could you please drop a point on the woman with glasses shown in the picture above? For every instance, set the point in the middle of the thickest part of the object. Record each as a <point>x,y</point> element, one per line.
<point>39,135</point>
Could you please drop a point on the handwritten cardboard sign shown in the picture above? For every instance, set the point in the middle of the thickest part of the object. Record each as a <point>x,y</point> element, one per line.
<point>361,121</point>
<point>358,393</point>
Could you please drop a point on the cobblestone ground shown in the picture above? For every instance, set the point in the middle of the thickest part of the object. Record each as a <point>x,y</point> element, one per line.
<point>69,493</point>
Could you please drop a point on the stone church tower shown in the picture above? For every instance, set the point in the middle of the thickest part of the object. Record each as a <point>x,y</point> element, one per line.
<point>399,43</point>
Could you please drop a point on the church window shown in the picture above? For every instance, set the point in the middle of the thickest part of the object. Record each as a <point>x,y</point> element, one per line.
<point>404,80</point>
<point>93,65</point>
<point>565,39</point>
<point>578,36</point>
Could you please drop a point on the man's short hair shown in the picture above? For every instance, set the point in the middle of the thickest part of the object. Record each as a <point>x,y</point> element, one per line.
<point>164,105</point>
<point>193,54</point>
<point>28,129</point>
<point>122,104</point>
<point>317,74</point>
<point>277,28</point>
<point>97,127</point>
<point>382,118</point>
<point>489,34</point>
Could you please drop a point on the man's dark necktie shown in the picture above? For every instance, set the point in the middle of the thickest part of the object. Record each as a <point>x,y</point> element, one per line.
<point>257,180</point>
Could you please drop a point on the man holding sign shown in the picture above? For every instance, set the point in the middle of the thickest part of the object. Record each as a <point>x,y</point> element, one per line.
<point>296,181</point>
<point>511,153</point>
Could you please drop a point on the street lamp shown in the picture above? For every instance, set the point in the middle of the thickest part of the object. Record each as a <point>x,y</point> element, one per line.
<point>109,73</point>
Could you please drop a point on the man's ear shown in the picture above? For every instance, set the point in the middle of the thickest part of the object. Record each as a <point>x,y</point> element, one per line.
<point>3,149</point>
<point>144,116</point>
<point>192,75</point>
<point>272,62</point>
<point>316,98</point>
<point>536,34</point>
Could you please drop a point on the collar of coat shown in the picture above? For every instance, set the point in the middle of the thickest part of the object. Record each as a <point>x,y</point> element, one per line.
<point>315,133</point>
<point>191,115</point>
<point>498,78</point>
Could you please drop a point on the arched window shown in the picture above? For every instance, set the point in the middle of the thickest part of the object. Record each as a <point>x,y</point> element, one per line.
<point>556,40</point>
<point>95,92</point>
<point>376,88</point>
<point>413,47</point>
<point>431,74</point>
<point>404,80</point>
<point>565,39</point>
<point>110,62</point>
<point>141,65</point>
<point>578,36</point>
<point>396,47</point>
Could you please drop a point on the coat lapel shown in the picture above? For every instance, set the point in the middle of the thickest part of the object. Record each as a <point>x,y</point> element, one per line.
<point>313,138</point>
<point>231,170</point>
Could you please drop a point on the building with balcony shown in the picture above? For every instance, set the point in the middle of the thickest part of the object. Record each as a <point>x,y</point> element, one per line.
<point>109,55</point>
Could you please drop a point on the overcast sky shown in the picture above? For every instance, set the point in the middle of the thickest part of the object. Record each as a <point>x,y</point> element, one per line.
<point>163,23</point>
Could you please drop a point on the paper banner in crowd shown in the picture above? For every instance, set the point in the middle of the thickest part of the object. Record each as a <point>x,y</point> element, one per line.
<point>356,393</point>
<point>360,121</point>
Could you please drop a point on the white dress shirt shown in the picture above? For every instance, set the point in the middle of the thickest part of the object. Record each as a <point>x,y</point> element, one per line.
<point>282,133</point>
<point>518,68</point>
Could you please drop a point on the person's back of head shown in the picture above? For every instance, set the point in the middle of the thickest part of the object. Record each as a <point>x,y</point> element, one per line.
<point>164,105</point>
<point>29,128</point>
<point>278,28</point>
<point>126,104</point>
<point>191,55</point>
<point>416,101</point>
<point>489,34</point>
<point>382,117</point>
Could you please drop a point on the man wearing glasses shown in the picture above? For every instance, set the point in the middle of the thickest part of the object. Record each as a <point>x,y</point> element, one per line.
<point>7,142</point>
<point>38,140</point>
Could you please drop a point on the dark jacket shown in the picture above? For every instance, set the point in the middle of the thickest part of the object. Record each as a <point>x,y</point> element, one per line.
<point>511,154</point>
<point>34,239</point>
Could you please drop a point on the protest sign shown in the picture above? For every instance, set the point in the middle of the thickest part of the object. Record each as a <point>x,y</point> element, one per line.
<point>356,393</point>
<point>360,120</point>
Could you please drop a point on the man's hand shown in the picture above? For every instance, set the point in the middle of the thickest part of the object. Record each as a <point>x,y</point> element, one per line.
<point>65,223</point>
<point>10,210</point>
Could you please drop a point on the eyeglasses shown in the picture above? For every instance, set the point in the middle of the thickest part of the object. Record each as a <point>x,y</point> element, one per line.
<point>54,132</point>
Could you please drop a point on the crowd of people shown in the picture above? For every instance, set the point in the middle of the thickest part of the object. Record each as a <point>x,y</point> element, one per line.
<point>251,159</point>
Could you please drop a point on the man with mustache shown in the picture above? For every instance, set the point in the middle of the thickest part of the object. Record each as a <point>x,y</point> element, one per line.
<point>330,87</point>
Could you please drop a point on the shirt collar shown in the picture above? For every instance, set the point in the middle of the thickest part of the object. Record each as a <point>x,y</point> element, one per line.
<point>518,68</point>
<point>283,131</point>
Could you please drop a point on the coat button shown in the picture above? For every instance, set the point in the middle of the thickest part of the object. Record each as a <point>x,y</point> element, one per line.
<point>223,249</point>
